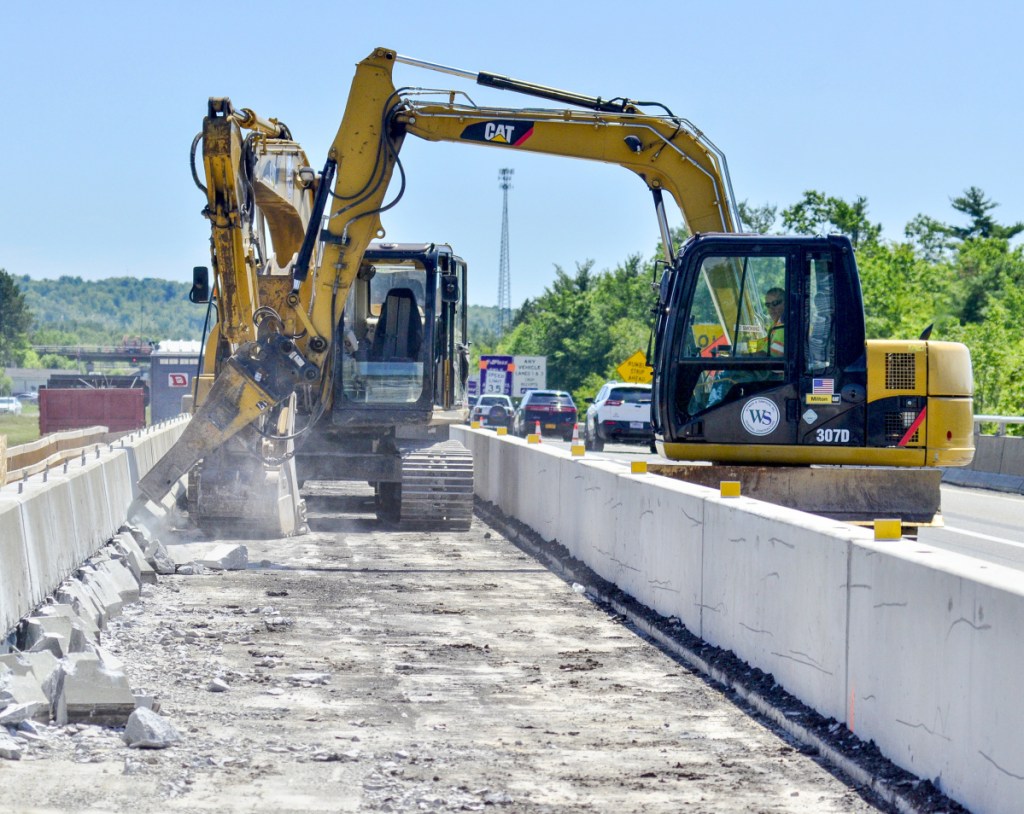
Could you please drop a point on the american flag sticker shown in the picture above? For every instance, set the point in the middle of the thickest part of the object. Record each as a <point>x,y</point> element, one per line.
<point>824,387</point>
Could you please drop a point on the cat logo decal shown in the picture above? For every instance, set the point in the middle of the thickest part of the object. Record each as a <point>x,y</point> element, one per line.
<point>508,133</point>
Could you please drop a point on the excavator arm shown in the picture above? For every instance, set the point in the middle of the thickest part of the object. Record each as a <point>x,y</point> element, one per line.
<point>339,214</point>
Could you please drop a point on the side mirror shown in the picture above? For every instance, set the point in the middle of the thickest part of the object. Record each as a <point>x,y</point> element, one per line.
<point>665,287</point>
<point>200,285</point>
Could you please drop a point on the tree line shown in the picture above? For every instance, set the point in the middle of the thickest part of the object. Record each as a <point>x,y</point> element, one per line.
<point>73,311</point>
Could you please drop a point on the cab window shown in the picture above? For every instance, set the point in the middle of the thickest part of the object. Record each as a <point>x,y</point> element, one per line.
<point>819,350</point>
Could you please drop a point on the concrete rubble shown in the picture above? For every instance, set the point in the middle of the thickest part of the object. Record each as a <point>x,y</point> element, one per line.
<point>56,673</point>
<point>10,749</point>
<point>216,557</point>
<point>147,730</point>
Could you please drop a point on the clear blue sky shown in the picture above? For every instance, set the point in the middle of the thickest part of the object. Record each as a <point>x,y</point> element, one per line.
<point>905,103</point>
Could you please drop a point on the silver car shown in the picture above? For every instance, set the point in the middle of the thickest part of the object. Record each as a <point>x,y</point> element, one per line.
<point>493,410</point>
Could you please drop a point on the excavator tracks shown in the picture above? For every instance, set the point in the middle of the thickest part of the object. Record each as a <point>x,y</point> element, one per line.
<point>436,489</point>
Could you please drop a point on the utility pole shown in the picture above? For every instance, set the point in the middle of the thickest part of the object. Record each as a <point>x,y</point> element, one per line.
<point>504,281</point>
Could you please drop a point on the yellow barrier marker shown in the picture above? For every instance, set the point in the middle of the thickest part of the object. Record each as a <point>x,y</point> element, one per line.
<point>638,467</point>
<point>533,438</point>
<point>888,529</point>
<point>502,430</point>
<point>474,425</point>
<point>577,450</point>
<point>729,488</point>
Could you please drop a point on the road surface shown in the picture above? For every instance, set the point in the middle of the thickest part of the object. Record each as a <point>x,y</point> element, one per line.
<point>373,670</point>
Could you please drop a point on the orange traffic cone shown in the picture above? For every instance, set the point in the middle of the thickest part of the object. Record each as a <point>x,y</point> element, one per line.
<point>538,431</point>
<point>575,434</point>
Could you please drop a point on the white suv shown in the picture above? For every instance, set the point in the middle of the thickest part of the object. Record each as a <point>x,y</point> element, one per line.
<point>9,404</point>
<point>493,410</point>
<point>620,412</point>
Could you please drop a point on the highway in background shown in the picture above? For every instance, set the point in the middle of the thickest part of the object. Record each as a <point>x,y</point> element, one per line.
<point>978,523</point>
<point>982,524</point>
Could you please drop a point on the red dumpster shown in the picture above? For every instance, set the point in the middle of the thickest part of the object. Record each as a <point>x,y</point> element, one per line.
<point>118,409</point>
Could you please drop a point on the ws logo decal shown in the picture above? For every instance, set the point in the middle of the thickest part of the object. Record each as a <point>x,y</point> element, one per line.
<point>508,133</point>
<point>760,416</point>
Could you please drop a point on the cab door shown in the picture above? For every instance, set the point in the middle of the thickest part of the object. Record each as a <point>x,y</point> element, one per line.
<point>832,384</point>
<point>732,367</point>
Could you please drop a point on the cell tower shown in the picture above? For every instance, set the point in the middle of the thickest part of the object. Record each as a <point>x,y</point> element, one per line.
<point>504,281</point>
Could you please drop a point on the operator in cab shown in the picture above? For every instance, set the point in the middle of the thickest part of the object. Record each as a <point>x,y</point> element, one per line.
<point>775,302</point>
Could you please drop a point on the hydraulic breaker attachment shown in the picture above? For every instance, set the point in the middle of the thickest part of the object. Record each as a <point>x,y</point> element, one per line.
<point>255,379</point>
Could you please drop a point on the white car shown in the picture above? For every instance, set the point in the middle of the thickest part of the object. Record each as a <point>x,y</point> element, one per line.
<point>493,410</point>
<point>620,412</point>
<point>9,404</point>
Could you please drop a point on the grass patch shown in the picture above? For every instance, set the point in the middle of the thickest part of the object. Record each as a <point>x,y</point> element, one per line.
<point>20,429</point>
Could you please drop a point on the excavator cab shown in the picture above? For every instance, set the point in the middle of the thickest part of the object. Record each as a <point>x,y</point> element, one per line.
<point>762,359</point>
<point>403,346</point>
<point>400,370</point>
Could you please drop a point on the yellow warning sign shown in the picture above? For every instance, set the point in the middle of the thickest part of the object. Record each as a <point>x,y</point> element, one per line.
<point>636,369</point>
<point>707,336</point>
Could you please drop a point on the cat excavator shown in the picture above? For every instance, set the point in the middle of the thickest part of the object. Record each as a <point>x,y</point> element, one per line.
<point>307,379</point>
<point>853,421</point>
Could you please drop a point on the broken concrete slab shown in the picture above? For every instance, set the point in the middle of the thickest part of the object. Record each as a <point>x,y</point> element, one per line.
<point>157,556</point>
<point>217,556</point>
<point>194,569</point>
<point>146,701</point>
<point>84,602</point>
<point>21,683</point>
<point>121,579</point>
<point>105,591</point>
<point>10,749</point>
<point>15,714</point>
<point>147,730</point>
<point>135,557</point>
<point>227,557</point>
<point>83,621</point>
<point>87,692</point>
<point>38,628</point>
<point>50,643</point>
<point>135,532</point>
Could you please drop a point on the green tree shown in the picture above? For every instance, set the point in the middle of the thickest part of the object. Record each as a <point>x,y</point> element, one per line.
<point>759,219</point>
<point>15,321</point>
<point>978,208</point>
<point>985,270</point>
<point>937,240</point>
<point>560,325</point>
<point>930,237</point>
<point>818,213</point>
<point>997,355</point>
<point>903,292</point>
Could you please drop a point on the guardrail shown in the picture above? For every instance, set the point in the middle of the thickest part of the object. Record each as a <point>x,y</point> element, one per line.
<point>50,450</point>
<point>1000,420</point>
<point>83,350</point>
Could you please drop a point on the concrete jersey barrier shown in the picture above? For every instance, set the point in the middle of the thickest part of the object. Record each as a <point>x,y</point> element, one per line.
<point>50,523</point>
<point>909,646</point>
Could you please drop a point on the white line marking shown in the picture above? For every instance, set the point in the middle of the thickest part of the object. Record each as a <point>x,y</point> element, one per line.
<point>981,536</point>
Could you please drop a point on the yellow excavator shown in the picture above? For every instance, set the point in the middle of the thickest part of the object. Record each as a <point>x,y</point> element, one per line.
<point>760,354</point>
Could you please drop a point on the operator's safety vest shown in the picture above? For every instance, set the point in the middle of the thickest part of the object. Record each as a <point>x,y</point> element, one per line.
<point>777,340</point>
